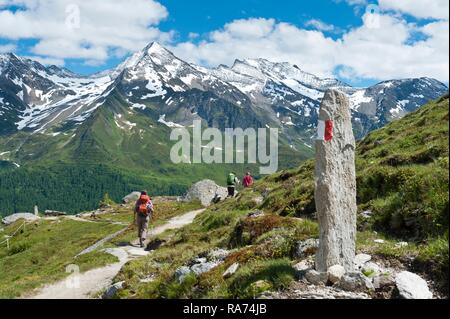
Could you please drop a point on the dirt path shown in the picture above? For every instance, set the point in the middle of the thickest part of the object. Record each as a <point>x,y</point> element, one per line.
<point>85,285</point>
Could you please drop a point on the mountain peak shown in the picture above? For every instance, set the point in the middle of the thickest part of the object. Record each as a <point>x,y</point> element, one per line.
<point>156,49</point>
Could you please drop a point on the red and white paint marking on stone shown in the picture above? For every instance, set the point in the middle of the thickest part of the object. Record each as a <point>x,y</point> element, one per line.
<point>325,131</point>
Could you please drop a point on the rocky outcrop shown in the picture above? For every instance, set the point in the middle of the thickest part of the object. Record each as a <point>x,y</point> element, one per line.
<point>11,219</point>
<point>335,273</point>
<point>335,192</point>
<point>355,281</point>
<point>132,197</point>
<point>205,191</point>
<point>315,277</point>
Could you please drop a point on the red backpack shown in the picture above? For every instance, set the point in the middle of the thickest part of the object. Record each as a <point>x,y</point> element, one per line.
<point>143,202</point>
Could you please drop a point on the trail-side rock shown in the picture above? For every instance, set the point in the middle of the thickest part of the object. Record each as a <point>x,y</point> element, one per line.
<point>11,219</point>
<point>360,260</point>
<point>316,292</point>
<point>335,191</point>
<point>315,277</point>
<point>306,248</point>
<point>205,191</point>
<point>335,273</point>
<point>383,280</point>
<point>412,286</point>
<point>112,290</point>
<point>355,281</point>
<point>132,197</point>
<point>302,267</point>
<point>231,270</point>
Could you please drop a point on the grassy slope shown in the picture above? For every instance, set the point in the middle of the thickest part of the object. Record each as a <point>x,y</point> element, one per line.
<point>39,254</point>
<point>402,178</point>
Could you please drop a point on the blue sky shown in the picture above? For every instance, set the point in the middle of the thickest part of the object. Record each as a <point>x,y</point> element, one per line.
<point>325,37</point>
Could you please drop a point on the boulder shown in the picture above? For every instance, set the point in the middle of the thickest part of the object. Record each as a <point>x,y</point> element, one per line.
<point>306,248</point>
<point>360,260</point>
<point>315,277</point>
<point>335,273</point>
<point>355,281</point>
<point>205,191</point>
<point>302,267</point>
<point>112,290</point>
<point>131,198</point>
<point>11,219</point>
<point>335,189</point>
<point>412,286</point>
<point>231,270</point>
<point>383,280</point>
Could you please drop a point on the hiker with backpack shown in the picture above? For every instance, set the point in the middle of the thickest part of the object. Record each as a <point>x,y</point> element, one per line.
<point>232,182</point>
<point>143,211</point>
<point>248,180</point>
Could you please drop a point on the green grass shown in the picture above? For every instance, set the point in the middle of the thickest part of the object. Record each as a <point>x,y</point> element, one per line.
<point>39,254</point>
<point>265,257</point>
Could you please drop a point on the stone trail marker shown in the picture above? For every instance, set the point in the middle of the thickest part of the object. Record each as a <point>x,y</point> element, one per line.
<point>335,192</point>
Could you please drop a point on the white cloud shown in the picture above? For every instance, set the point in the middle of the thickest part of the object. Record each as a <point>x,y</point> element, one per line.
<point>384,52</point>
<point>379,49</point>
<point>7,48</point>
<point>320,25</point>
<point>263,38</point>
<point>437,9</point>
<point>46,61</point>
<point>83,29</point>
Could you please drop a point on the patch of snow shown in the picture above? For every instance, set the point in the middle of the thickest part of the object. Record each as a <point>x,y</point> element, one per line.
<point>162,120</point>
<point>358,98</point>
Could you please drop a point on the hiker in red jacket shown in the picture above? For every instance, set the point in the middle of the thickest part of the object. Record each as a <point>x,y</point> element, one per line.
<point>248,180</point>
<point>143,211</point>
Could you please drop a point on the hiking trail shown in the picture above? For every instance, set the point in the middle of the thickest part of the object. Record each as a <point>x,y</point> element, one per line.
<point>85,285</point>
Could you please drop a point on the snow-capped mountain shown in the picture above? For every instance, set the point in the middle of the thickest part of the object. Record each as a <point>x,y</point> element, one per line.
<point>34,97</point>
<point>155,82</point>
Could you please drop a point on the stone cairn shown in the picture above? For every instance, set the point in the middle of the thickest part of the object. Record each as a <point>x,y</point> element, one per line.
<point>335,192</point>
